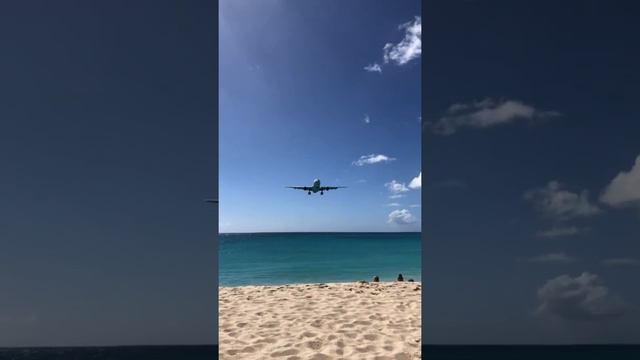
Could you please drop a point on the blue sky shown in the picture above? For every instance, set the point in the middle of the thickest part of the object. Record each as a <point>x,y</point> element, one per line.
<point>107,138</point>
<point>296,104</point>
<point>532,172</point>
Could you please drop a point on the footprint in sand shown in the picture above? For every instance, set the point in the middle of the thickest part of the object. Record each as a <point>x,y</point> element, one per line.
<point>320,356</point>
<point>314,344</point>
<point>370,337</point>
<point>402,356</point>
<point>361,322</point>
<point>266,340</point>
<point>284,353</point>
<point>316,323</point>
<point>248,349</point>
<point>270,324</point>
<point>366,349</point>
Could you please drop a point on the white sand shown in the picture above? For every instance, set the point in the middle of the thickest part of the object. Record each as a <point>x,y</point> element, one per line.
<point>316,321</point>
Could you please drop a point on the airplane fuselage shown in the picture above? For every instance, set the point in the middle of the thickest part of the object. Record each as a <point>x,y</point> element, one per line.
<point>316,186</point>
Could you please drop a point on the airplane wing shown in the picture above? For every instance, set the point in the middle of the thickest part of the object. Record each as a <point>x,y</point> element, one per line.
<point>305,188</point>
<point>327,188</point>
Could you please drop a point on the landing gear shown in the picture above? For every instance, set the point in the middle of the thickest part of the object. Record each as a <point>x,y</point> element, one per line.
<point>321,193</point>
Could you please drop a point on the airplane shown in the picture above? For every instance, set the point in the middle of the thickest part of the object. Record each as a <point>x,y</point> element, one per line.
<point>316,187</point>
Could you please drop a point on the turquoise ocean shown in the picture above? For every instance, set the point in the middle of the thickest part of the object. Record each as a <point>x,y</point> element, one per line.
<point>298,258</point>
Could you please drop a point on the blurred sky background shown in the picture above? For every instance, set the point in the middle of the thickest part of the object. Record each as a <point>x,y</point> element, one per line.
<point>107,145</point>
<point>532,172</point>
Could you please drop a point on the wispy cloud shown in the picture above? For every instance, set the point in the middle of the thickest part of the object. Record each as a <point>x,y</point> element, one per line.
<point>562,231</point>
<point>367,119</point>
<point>401,217</point>
<point>396,196</point>
<point>395,187</point>
<point>581,298</point>
<point>395,204</point>
<point>375,67</point>
<point>624,189</point>
<point>409,48</point>
<point>553,258</point>
<point>561,204</point>
<point>621,262</point>
<point>411,45</point>
<point>415,205</point>
<point>372,159</point>
<point>416,182</point>
<point>486,113</point>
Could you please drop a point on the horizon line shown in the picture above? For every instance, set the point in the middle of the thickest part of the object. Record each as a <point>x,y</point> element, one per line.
<point>321,232</point>
<point>217,345</point>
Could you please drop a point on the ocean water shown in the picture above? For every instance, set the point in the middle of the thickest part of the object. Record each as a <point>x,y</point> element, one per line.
<point>204,352</point>
<point>534,352</point>
<point>431,352</point>
<point>294,258</point>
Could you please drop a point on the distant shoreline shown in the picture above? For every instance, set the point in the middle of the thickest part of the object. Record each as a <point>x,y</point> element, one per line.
<point>340,283</point>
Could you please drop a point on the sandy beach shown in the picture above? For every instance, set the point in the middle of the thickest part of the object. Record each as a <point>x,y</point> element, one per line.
<point>321,321</point>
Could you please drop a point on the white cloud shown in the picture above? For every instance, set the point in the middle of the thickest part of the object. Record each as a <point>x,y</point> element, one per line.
<point>401,217</point>
<point>375,67</point>
<point>367,119</point>
<point>411,45</point>
<point>372,159</point>
<point>396,196</point>
<point>561,204</point>
<point>621,262</point>
<point>395,187</point>
<point>584,297</point>
<point>624,189</point>
<point>395,204</point>
<point>560,231</point>
<point>486,113</point>
<point>558,258</point>
<point>416,182</point>
<point>415,205</point>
